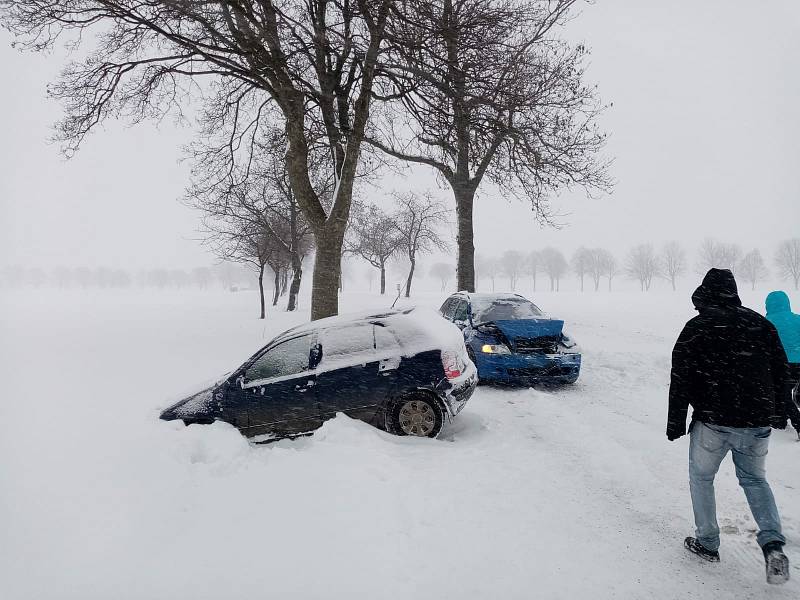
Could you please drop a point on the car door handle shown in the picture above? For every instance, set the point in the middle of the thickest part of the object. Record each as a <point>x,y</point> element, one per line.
<point>304,387</point>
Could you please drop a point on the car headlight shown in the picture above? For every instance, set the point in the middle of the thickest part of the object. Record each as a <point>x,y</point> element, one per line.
<point>495,349</point>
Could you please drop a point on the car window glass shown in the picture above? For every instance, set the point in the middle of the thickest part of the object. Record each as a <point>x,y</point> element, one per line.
<point>287,358</point>
<point>460,312</point>
<point>447,308</point>
<point>385,341</point>
<point>500,309</point>
<point>347,342</point>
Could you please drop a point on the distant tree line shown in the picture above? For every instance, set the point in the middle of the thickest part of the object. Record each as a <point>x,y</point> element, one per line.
<point>643,264</point>
<point>225,276</point>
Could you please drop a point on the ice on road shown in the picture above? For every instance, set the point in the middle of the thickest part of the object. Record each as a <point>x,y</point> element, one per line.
<point>565,493</point>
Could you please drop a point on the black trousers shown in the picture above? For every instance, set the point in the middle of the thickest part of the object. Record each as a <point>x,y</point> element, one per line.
<point>792,409</point>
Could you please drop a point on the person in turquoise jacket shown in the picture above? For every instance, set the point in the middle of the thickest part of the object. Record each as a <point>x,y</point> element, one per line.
<point>779,313</point>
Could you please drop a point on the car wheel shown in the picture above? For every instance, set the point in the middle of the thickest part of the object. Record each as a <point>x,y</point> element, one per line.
<point>419,415</point>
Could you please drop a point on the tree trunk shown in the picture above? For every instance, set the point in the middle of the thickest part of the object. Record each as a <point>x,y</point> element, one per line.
<point>410,277</point>
<point>672,279</point>
<point>325,280</point>
<point>465,238</point>
<point>277,287</point>
<point>383,279</point>
<point>581,282</point>
<point>294,289</point>
<point>261,290</point>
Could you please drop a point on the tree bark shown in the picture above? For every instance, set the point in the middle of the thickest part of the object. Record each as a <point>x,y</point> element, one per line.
<point>326,277</point>
<point>410,277</point>
<point>465,239</point>
<point>277,287</point>
<point>383,279</point>
<point>261,290</point>
<point>294,289</point>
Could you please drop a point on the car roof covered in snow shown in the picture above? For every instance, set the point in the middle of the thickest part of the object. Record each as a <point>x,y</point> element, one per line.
<point>490,296</point>
<point>417,329</point>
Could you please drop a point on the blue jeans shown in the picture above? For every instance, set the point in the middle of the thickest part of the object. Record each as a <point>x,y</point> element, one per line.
<point>708,446</point>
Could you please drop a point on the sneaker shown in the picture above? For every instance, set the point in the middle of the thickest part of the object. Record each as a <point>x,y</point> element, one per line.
<point>776,562</point>
<point>695,547</point>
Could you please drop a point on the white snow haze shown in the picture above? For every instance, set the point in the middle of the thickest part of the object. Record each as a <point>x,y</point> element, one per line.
<point>570,492</point>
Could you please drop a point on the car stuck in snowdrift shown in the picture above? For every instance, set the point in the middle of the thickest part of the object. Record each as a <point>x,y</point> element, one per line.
<point>511,340</point>
<point>405,371</point>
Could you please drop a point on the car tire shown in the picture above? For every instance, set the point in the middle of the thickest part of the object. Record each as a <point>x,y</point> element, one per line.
<point>418,414</point>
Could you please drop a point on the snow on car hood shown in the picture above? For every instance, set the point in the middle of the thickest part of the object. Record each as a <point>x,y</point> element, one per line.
<point>530,328</point>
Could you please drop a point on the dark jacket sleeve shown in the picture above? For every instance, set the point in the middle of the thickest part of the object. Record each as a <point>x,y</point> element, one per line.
<point>680,386</point>
<point>781,379</point>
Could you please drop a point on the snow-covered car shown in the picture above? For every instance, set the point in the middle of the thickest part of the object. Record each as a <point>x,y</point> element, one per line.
<point>403,371</point>
<point>511,340</point>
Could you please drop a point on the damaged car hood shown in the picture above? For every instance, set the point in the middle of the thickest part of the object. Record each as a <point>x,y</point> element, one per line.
<point>529,328</point>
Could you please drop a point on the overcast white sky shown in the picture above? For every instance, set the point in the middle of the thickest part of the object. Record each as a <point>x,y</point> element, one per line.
<point>705,128</point>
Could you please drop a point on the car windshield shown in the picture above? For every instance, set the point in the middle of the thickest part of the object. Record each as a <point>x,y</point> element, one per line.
<point>502,309</point>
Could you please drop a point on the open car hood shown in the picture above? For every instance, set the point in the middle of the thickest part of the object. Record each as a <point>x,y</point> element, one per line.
<point>530,328</point>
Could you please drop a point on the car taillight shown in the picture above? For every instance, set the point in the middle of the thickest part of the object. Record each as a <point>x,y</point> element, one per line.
<point>452,363</point>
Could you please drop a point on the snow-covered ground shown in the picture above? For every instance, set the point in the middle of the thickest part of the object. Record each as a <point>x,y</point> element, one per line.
<point>572,493</point>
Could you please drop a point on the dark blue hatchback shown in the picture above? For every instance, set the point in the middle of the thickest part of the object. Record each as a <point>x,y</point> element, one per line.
<point>511,341</point>
<point>404,371</point>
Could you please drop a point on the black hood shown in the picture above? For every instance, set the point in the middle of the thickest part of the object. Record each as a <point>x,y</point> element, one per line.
<point>718,290</point>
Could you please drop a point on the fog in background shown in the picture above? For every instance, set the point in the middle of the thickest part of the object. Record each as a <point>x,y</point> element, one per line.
<point>704,128</point>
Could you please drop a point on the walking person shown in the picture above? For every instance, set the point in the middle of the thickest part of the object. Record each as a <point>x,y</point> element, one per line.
<point>779,313</point>
<point>729,366</point>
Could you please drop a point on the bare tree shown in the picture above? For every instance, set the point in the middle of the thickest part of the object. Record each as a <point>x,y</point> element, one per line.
<point>787,259</point>
<point>419,221</point>
<point>600,263</point>
<point>730,256</point>
<point>374,237</point>
<point>486,90</point>
<point>533,263</point>
<point>581,262</point>
<point>673,262</point>
<point>610,267</point>
<point>642,265</point>
<point>487,267</point>
<point>753,268</point>
<point>511,265</point>
<point>310,65</point>
<point>555,265</point>
<point>260,199</point>
<point>443,272</point>
<point>714,255</point>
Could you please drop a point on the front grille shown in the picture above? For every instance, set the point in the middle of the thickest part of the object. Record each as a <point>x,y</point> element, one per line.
<point>542,372</point>
<point>540,345</point>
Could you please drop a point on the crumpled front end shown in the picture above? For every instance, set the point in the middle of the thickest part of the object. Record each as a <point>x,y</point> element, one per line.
<point>525,352</point>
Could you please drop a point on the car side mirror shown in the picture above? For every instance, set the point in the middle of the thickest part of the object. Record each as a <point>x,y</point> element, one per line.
<point>315,356</point>
<point>240,381</point>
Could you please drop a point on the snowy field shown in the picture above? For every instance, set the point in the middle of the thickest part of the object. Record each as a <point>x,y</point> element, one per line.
<point>571,493</point>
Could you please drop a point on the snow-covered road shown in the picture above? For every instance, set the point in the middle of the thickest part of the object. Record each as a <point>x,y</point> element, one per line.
<point>568,493</point>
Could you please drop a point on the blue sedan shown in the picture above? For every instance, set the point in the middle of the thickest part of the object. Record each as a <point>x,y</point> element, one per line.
<point>511,341</point>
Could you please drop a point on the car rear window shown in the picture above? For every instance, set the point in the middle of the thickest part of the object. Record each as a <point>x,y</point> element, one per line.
<point>502,309</point>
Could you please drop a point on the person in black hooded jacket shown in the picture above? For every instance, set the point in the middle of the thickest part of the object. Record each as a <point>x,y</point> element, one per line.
<point>730,367</point>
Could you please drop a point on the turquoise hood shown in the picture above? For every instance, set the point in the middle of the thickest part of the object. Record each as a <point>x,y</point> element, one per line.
<point>779,313</point>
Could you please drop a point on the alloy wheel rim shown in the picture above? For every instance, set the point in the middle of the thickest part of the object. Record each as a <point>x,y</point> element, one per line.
<point>417,418</point>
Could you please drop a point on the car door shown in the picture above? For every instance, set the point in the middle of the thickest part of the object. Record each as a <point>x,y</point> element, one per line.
<point>351,377</point>
<point>278,388</point>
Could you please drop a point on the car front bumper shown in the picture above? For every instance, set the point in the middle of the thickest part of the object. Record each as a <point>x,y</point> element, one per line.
<point>529,368</point>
